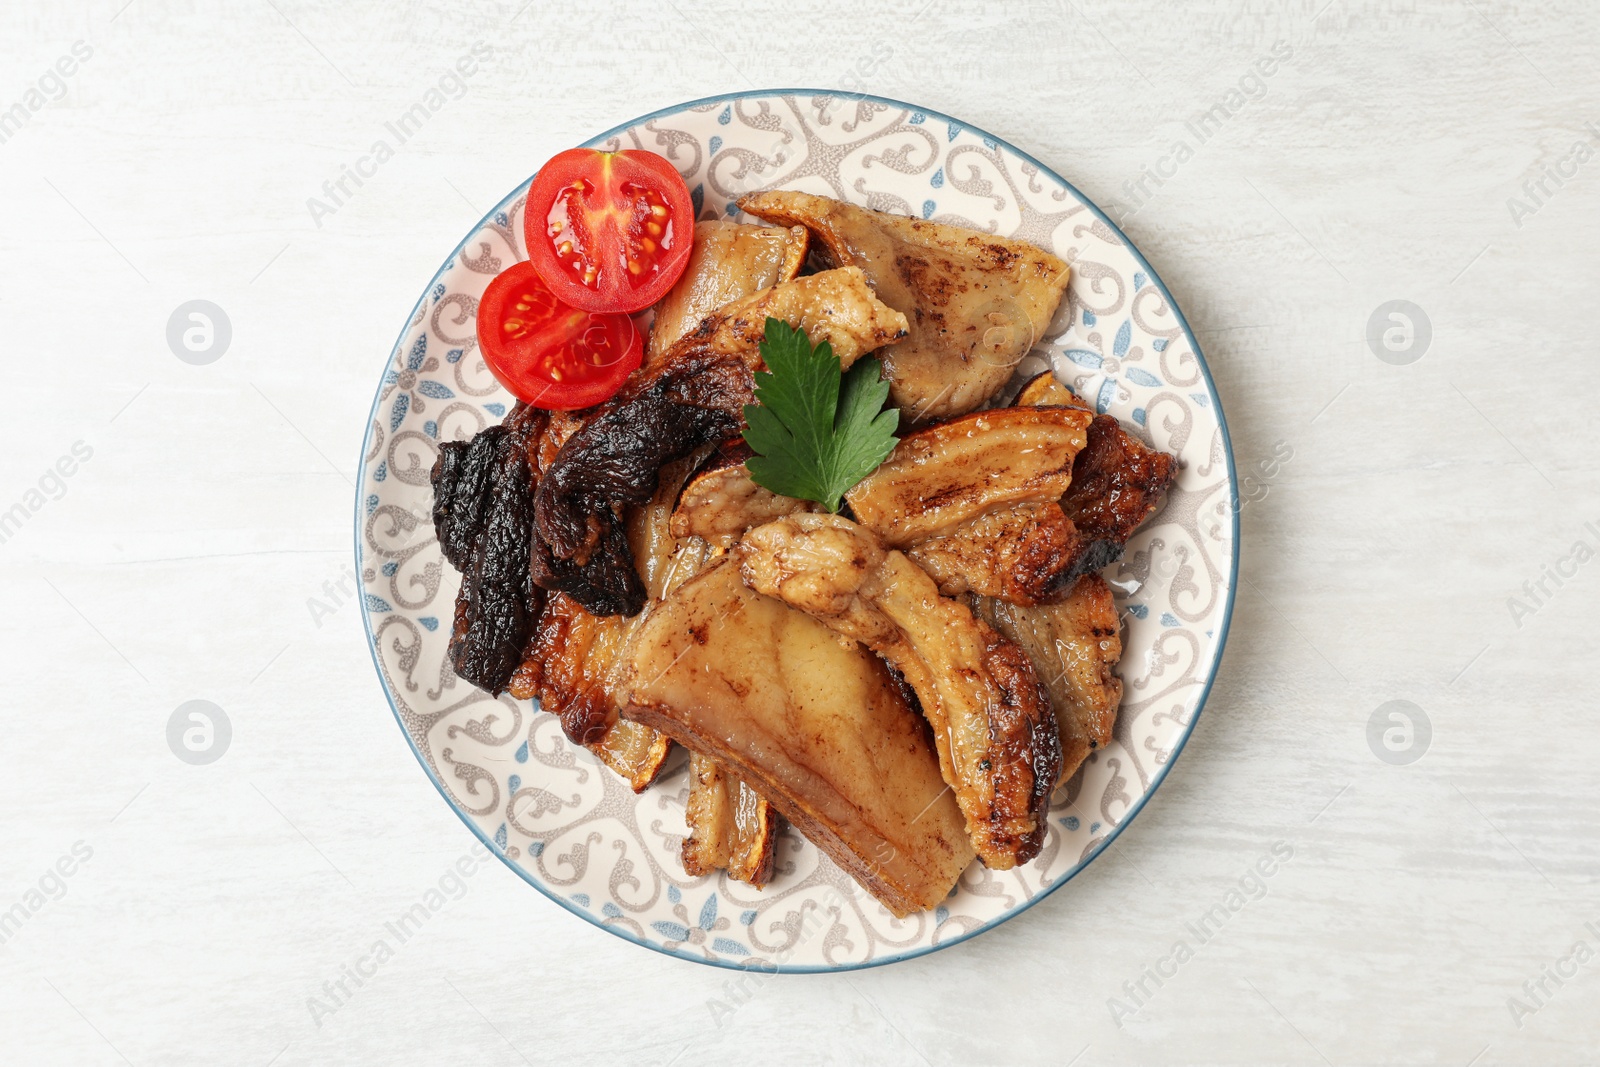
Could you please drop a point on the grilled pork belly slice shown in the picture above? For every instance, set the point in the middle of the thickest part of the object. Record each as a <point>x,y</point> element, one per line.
<point>823,731</point>
<point>729,261</point>
<point>731,827</point>
<point>976,303</point>
<point>998,741</point>
<point>1117,480</point>
<point>1022,554</point>
<point>944,475</point>
<point>693,397</point>
<point>721,501</point>
<point>1074,646</point>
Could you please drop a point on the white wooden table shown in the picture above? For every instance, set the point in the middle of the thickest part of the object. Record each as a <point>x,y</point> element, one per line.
<point>178,522</point>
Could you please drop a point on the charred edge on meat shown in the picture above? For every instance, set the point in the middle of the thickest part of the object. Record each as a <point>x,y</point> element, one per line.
<point>1024,697</point>
<point>1117,483</point>
<point>498,603</point>
<point>615,460</point>
<point>461,491</point>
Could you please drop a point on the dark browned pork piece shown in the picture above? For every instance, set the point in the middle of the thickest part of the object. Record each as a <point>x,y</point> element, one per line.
<point>1117,481</point>
<point>695,396</point>
<point>460,492</point>
<point>615,461</point>
<point>484,496</point>
<point>1074,646</point>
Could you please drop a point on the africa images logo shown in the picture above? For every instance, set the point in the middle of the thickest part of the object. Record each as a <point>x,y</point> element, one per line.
<point>1250,87</point>
<point>451,85</point>
<point>1549,179</point>
<point>1252,886</point>
<point>49,87</point>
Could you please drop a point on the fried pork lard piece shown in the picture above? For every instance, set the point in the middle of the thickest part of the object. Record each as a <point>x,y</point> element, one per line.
<point>729,261</point>
<point>1074,646</point>
<point>1021,554</point>
<point>941,476</point>
<point>693,397</point>
<point>998,741</point>
<point>721,501</point>
<point>731,826</point>
<point>824,731</point>
<point>976,303</point>
<point>1117,481</point>
<point>974,501</point>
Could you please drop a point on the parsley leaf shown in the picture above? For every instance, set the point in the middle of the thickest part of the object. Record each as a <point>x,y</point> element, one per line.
<point>816,431</point>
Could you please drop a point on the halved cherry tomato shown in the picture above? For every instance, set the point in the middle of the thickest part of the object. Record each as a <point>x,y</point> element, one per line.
<point>549,354</point>
<point>609,231</point>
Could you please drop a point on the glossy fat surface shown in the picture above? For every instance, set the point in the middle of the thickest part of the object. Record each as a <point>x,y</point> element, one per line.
<point>731,826</point>
<point>729,261</point>
<point>944,475</point>
<point>997,740</point>
<point>821,729</point>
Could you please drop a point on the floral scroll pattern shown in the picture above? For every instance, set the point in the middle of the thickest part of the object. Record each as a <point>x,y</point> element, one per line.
<point>574,829</point>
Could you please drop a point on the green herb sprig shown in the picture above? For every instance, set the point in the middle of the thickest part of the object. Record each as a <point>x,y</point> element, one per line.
<point>816,430</point>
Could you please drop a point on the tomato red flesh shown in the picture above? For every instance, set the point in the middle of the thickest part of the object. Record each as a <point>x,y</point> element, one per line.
<point>547,352</point>
<point>609,231</point>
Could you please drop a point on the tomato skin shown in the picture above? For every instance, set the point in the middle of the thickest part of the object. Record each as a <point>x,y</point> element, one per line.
<point>548,353</point>
<point>609,231</point>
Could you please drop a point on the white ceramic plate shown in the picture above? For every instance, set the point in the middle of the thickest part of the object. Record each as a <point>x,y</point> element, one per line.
<point>573,829</point>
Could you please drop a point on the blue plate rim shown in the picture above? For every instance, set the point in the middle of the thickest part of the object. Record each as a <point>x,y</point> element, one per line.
<point>1161,773</point>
